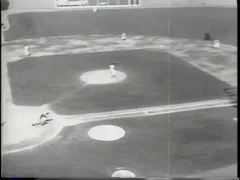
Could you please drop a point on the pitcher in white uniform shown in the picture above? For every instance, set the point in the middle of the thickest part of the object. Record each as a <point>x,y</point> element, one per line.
<point>112,70</point>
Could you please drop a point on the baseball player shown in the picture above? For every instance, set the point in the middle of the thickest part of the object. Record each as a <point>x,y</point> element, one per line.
<point>43,119</point>
<point>26,52</point>
<point>124,36</point>
<point>216,44</point>
<point>112,70</point>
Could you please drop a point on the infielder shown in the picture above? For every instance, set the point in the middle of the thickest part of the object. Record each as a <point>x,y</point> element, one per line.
<point>43,119</point>
<point>124,36</point>
<point>216,44</point>
<point>26,52</point>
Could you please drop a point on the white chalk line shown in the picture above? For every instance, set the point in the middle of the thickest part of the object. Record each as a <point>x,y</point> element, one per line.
<point>184,107</point>
<point>156,108</point>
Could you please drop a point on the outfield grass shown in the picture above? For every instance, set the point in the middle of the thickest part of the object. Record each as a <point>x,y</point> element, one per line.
<point>190,23</point>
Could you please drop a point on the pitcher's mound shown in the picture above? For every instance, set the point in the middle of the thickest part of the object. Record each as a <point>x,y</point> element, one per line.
<point>102,77</point>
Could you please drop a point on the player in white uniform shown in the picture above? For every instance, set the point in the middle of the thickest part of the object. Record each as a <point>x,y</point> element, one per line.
<point>26,52</point>
<point>95,9</point>
<point>112,70</point>
<point>216,44</point>
<point>124,36</point>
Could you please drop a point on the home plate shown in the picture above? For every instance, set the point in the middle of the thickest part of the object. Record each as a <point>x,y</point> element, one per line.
<point>106,133</point>
<point>123,174</point>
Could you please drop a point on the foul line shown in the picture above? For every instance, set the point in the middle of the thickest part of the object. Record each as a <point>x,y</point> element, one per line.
<point>151,111</point>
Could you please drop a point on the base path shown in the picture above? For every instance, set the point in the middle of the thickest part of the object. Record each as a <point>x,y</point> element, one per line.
<point>19,134</point>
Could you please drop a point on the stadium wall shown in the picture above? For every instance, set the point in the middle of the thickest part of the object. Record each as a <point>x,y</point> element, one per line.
<point>50,4</point>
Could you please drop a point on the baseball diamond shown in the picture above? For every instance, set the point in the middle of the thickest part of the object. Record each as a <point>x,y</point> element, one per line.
<point>116,88</point>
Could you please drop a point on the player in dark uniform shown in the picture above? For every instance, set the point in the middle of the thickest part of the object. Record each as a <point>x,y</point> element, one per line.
<point>43,119</point>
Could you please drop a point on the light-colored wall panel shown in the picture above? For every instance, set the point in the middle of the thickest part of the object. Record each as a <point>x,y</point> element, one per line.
<point>31,4</point>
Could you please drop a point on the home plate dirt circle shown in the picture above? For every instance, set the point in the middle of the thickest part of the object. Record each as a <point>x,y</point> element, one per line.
<point>102,77</point>
<point>123,174</point>
<point>106,133</point>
